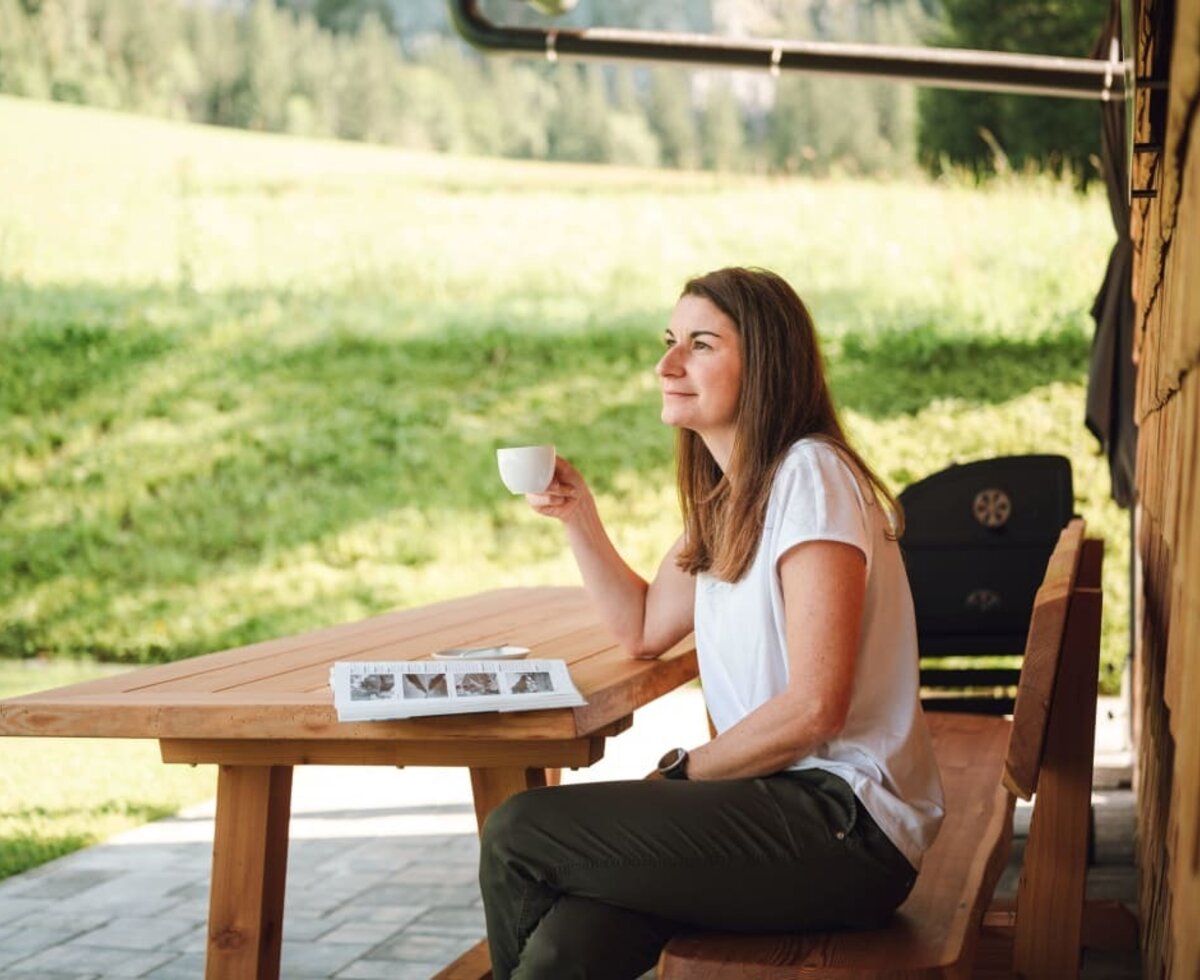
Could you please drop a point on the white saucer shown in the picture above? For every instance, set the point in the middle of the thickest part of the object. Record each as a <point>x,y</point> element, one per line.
<point>482,653</point>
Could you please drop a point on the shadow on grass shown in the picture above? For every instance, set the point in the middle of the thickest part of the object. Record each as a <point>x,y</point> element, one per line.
<point>900,373</point>
<point>281,419</point>
<point>60,345</point>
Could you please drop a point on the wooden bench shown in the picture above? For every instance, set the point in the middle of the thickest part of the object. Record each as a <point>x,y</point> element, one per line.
<point>986,762</point>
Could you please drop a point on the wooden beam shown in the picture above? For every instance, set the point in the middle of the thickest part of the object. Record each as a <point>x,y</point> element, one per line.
<point>492,786</point>
<point>1108,925</point>
<point>1050,896</point>
<point>245,917</point>
<point>558,753</point>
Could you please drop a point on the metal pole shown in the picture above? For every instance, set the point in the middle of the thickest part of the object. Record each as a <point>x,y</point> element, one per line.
<point>992,71</point>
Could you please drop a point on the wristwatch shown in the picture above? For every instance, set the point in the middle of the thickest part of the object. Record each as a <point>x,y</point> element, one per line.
<point>673,765</point>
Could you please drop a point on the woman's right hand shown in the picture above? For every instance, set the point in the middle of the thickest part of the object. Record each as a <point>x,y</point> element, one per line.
<point>645,618</point>
<point>563,497</point>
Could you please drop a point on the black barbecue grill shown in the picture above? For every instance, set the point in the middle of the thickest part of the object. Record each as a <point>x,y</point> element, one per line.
<point>977,540</point>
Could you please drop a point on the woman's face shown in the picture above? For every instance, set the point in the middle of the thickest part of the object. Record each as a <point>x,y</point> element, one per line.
<point>701,371</point>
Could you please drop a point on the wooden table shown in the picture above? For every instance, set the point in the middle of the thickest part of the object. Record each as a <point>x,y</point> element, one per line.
<point>259,710</point>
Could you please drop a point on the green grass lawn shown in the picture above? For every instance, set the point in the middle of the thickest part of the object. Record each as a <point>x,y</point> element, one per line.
<point>60,794</point>
<point>251,384</point>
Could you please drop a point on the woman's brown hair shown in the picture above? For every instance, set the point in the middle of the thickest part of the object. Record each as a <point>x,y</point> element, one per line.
<point>784,397</point>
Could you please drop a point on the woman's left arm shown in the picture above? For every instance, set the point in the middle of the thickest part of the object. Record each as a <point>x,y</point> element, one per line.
<point>824,584</point>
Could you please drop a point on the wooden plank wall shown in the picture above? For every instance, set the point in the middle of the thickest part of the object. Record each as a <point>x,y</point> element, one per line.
<point>1166,231</point>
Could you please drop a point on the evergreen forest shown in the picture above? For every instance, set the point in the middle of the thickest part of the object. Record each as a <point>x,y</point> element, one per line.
<point>394,72</point>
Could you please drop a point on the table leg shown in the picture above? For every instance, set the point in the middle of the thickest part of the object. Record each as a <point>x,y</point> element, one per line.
<point>491,787</point>
<point>245,912</point>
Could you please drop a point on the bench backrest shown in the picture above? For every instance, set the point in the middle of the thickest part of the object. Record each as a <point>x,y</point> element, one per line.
<point>1043,648</point>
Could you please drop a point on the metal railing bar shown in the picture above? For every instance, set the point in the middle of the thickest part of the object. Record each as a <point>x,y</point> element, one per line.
<point>995,71</point>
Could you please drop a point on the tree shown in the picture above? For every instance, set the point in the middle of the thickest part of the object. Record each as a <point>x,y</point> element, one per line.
<point>672,118</point>
<point>213,39</point>
<point>984,131</point>
<point>522,99</point>
<point>312,106</point>
<point>721,126</point>
<point>261,91</point>
<point>348,16</point>
<point>22,70</point>
<point>577,125</point>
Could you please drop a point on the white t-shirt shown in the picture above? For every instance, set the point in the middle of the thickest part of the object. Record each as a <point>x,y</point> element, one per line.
<point>883,751</point>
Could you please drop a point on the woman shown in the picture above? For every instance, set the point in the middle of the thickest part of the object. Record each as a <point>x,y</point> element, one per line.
<point>812,806</point>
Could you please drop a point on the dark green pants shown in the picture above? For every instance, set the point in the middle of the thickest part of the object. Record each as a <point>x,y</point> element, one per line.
<point>591,880</point>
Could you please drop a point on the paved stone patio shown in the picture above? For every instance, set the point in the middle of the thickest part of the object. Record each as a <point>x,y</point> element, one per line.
<point>381,874</point>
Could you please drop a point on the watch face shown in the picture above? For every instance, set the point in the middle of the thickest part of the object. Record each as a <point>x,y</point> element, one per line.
<point>673,765</point>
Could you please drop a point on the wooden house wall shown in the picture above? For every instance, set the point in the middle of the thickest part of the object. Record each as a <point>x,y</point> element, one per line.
<point>1166,229</point>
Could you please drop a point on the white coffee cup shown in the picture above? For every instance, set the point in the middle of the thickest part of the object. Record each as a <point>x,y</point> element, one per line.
<point>526,469</point>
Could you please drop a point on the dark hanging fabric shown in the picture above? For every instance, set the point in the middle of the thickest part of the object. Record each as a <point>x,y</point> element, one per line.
<point>1111,377</point>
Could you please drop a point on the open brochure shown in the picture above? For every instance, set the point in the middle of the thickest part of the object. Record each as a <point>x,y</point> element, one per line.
<point>415,689</point>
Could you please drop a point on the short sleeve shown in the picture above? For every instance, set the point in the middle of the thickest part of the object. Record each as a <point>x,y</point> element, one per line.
<point>817,497</point>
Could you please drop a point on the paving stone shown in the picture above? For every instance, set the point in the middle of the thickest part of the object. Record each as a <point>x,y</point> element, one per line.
<point>388,850</point>
<point>1116,883</point>
<point>402,914</point>
<point>466,920</point>
<point>306,854</point>
<point>464,847</point>
<point>118,857</point>
<point>29,937</point>
<point>333,890</point>
<point>302,926</point>
<point>195,941</point>
<point>15,909</point>
<point>325,907</point>
<point>423,946</point>
<point>368,861</point>
<point>59,884</point>
<point>9,955</point>
<point>388,970</point>
<point>135,932</point>
<point>318,959</point>
<point>136,893</point>
<point>363,932</point>
<point>401,893</point>
<point>1110,966</point>
<point>76,958</point>
<point>189,908</point>
<point>437,873</point>
<point>1122,852</point>
<point>190,966</point>
<point>192,891</point>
